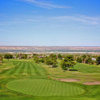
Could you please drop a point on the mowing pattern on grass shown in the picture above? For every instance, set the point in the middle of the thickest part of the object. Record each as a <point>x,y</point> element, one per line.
<point>25,68</point>
<point>42,87</point>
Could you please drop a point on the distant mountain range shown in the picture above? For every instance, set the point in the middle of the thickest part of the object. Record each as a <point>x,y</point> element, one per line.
<point>49,49</point>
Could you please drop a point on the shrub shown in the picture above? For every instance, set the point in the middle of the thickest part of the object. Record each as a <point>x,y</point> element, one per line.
<point>98,60</point>
<point>79,60</point>
<point>68,62</point>
<point>8,56</point>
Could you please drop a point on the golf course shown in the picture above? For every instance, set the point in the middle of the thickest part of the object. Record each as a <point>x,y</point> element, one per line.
<point>26,80</point>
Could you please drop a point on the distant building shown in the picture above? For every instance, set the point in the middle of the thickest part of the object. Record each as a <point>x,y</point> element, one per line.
<point>94,59</point>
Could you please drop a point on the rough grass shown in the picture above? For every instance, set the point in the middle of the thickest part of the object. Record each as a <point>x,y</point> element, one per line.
<point>85,72</point>
<point>86,68</point>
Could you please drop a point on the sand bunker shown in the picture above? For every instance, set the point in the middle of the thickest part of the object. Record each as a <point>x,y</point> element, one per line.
<point>92,83</point>
<point>69,80</point>
<point>77,80</point>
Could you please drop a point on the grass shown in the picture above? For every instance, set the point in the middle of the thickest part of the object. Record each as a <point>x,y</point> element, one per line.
<point>85,68</point>
<point>43,87</point>
<point>85,72</point>
<point>29,81</point>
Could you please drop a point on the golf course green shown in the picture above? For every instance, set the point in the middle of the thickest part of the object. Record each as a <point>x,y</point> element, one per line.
<point>43,87</point>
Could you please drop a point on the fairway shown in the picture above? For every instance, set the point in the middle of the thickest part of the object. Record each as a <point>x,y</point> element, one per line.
<point>42,87</point>
<point>22,68</point>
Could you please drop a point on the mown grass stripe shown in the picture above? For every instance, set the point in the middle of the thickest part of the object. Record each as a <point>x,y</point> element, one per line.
<point>10,71</point>
<point>32,69</point>
<point>36,69</point>
<point>29,69</point>
<point>40,69</point>
<point>25,68</point>
<point>19,67</point>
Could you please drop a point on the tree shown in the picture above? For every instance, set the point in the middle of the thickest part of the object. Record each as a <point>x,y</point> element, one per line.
<point>79,60</point>
<point>88,60</point>
<point>22,56</point>
<point>35,55</point>
<point>64,65</point>
<point>60,56</point>
<point>68,62</point>
<point>69,58</point>
<point>51,61</point>
<point>98,60</point>
<point>42,60</point>
<point>83,58</point>
<point>36,59</point>
<point>1,59</point>
<point>53,57</point>
<point>8,56</point>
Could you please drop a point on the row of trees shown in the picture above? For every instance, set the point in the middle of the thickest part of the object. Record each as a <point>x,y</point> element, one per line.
<point>17,56</point>
<point>10,56</point>
<point>85,59</point>
<point>67,61</point>
<point>49,60</point>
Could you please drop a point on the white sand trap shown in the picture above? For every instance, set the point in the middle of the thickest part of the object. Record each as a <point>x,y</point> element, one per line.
<point>69,80</point>
<point>92,83</point>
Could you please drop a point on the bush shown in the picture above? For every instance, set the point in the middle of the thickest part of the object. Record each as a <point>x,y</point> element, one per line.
<point>79,60</point>
<point>59,56</point>
<point>68,62</point>
<point>88,60</point>
<point>8,56</point>
<point>98,60</point>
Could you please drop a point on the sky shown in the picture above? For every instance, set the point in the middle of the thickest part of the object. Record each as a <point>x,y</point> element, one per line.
<point>49,22</point>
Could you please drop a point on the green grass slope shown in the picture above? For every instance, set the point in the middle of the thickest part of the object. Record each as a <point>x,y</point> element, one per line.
<point>86,68</point>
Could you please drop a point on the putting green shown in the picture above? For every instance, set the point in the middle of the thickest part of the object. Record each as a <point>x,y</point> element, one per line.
<point>42,87</point>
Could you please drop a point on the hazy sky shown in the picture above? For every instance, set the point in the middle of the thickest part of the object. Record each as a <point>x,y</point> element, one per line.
<point>50,22</point>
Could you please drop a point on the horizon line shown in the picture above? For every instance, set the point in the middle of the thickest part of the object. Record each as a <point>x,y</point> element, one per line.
<point>42,46</point>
